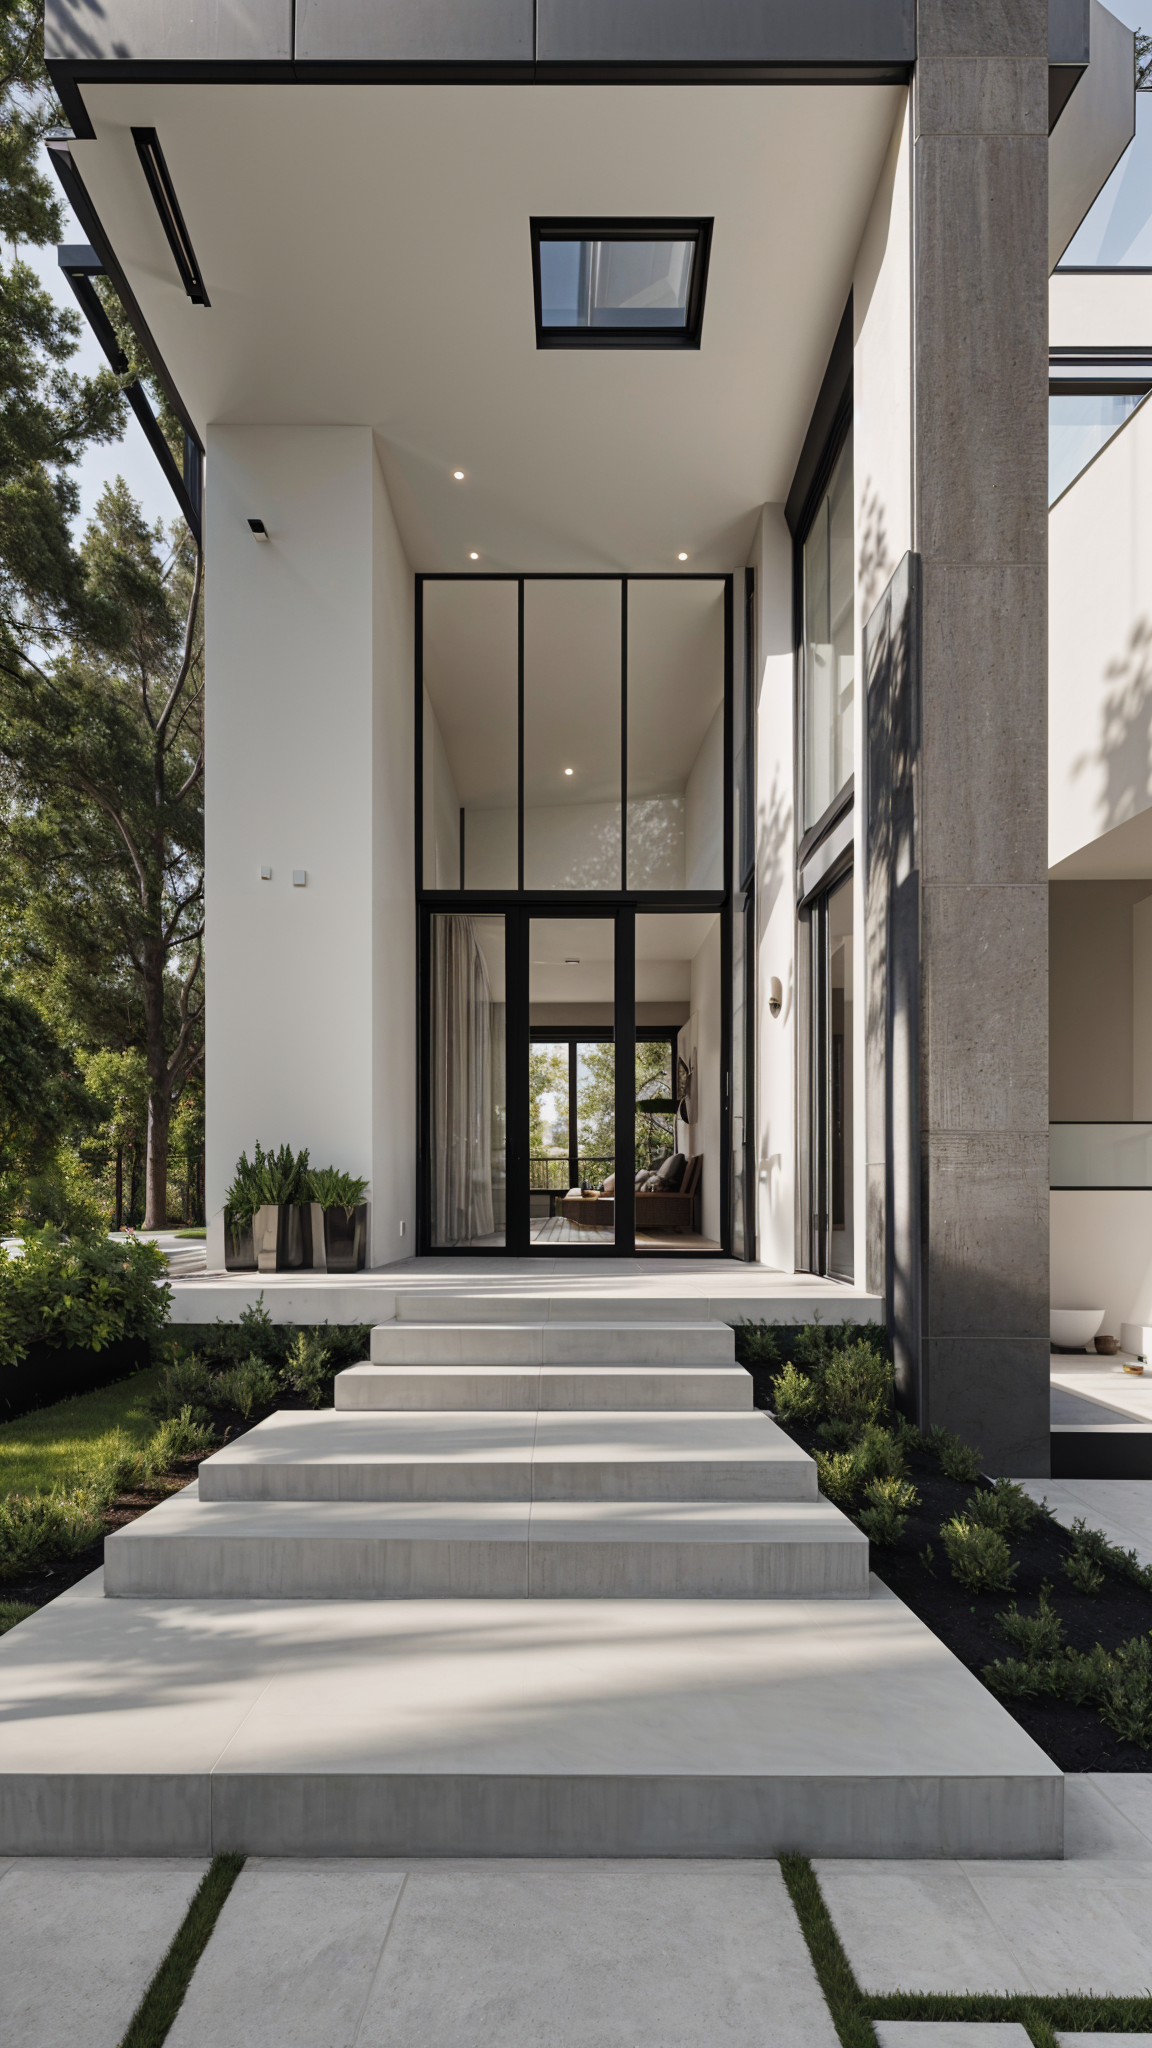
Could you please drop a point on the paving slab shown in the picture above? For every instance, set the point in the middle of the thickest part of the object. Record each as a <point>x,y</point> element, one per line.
<point>1120,1508</point>
<point>1102,1818</point>
<point>1095,2040</point>
<point>660,1550</point>
<point>547,1956</point>
<point>526,1727</point>
<point>727,1388</point>
<point>951,2034</point>
<point>1071,1927</point>
<point>917,1927</point>
<point>81,1941</point>
<point>293,1957</point>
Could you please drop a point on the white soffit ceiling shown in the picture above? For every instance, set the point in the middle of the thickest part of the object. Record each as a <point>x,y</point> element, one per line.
<point>366,252</point>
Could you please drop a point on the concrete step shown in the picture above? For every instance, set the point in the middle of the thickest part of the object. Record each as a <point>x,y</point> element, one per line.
<point>481,1728</point>
<point>721,1388</point>
<point>335,1455</point>
<point>553,1343</point>
<point>300,1550</point>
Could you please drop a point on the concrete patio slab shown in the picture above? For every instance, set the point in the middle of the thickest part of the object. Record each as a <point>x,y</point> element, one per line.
<point>1120,1508</point>
<point>630,1456</point>
<point>565,1728</point>
<point>951,2034</point>
<point>293,1958</point>
<point>80,1943</point>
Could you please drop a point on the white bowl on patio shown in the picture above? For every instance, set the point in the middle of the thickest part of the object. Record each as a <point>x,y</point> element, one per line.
<point>1072,1329</point>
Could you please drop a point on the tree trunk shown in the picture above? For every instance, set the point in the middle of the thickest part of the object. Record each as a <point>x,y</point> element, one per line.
<point>133,1183</point>
<point>119,1187</point>
<point>156,1169</point>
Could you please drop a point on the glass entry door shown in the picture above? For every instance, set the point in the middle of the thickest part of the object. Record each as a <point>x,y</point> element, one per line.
<point>833,1037</point>
<point>571,1083</point>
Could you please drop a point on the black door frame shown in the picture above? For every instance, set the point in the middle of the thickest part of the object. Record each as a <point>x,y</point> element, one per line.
<point>518,905</point>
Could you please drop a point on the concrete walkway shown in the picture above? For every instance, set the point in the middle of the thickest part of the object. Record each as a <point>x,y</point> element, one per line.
<point>365,1953</point>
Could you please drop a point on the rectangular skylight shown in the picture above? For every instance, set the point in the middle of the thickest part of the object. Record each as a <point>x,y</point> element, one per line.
<point>619,284</point>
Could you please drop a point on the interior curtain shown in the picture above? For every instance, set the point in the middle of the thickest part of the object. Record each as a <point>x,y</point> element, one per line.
<point>497,1015</point>
<point>461,1084</point>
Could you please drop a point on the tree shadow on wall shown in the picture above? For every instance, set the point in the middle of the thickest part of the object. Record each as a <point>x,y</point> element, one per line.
<point>875,565</point>
<point>1124,750</point>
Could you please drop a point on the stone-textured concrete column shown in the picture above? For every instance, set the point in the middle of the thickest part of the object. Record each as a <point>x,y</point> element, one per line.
<point>980,238</point>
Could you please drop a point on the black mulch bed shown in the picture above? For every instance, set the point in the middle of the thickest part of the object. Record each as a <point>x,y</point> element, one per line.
<point>1074,1737</point>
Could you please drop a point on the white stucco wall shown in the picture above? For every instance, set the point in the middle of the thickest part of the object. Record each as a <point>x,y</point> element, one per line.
<point>882,482</point>
<point>775,1037</point>
<point>1100,644</point>
<point>310,991</point>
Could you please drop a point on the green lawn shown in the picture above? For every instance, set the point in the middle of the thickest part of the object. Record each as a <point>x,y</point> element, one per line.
<point>47,1445</point>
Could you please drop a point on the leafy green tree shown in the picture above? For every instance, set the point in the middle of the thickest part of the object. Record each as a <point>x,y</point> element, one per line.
<point>41,1099</point>
<point>104,756</point>
<point>547,1075</point>
<point>118,1083</point>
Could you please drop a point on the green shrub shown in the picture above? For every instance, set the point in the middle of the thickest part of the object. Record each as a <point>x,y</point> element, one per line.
<point>1122,1689</point>
<point>835,1436</point>
<point>857,1386</point>
<point>1092,1543</point>
<point>181,1436</point>
<point>796,1397</point>
<point>957,1460</point>
<point>1039,1635</point>
<point>1004,1506</point>
<point>308,1371</point>
<point>12,1611</point>
<point>252,1335</point>
<point>251,1384</point>
<point>1085,1574</point>
<point>88,1293</point>
<point>113,1466</point>
<point>185,1383</point>
<point>844,1475</point>
<point>979,1557</point>
<point>334,1190</point>
<point>1015,1678</point>
<point>756,1344</point>
<point>888,1504</point>
<point>43,1525</point>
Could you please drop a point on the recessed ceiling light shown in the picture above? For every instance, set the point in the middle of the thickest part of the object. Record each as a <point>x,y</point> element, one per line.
<point>571,963</point>
<point>681,557</point>
<point>459,475</point>
<point>568,771</point>
<point>473,557</point>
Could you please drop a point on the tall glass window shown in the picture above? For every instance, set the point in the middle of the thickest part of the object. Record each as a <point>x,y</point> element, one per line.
<point>470,735</point>
<point>468,1082</point>
<point>829,680</point>
<point>676,735</point>
<point>572,735</point>
<point>1116,232</point>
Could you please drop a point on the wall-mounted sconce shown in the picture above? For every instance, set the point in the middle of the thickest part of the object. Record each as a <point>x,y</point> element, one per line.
<point>258,528</point>
<point>265,874</point>
<point>775,995</point>
<point>299,878</point>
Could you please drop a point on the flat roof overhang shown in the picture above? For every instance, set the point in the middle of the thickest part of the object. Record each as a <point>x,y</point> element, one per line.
<point>367,254</point>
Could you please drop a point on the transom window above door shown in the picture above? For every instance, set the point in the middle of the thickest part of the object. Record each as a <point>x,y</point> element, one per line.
<point>572,733</point>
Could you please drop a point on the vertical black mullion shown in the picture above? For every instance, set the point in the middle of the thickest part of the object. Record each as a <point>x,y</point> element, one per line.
<point>750,1127</point>
<point>461,846</point>
<point>729,624</point>
<point>419,735</point>
<point>726,1078</point>
<point>423,1231</point>
<point>624,1035</point>
<point>573,1140</point>
<point>822,1086</point>
<point>623,732</point>
<point>520,735</point>
<point>516,1051</point>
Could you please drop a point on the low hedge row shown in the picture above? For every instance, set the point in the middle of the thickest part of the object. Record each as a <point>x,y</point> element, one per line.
<point>76,1314</point>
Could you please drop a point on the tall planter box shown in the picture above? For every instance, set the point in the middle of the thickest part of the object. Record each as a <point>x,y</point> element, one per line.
<point>239,1247</point>
<point>346,1239</point>
<point>282,1234</point>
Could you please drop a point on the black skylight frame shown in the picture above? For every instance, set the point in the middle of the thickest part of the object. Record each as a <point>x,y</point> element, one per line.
<point>171,219</point>
<point>605,229</point>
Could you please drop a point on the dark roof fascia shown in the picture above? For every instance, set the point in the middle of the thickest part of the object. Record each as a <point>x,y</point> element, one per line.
<point>835,393</point>
<point>69,76</point>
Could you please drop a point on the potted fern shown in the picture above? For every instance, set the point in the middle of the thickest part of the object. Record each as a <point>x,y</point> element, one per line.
<point>268,1223</point>
<point>343,1212</point>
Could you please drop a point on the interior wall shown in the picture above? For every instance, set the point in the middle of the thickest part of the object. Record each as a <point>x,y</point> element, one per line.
<point>310,995</point>
<point>1092,1006</point>
<point>704,1025</point>
<point>441,807</point>
<point>1101,1252</point>
<point>882,491</point>
<point>775,1037</point>
<point>704,811</point>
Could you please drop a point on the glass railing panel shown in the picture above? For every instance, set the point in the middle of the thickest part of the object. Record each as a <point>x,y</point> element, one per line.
<point>1100,1155</point>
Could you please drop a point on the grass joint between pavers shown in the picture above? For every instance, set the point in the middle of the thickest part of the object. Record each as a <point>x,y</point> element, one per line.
<point>853,2011</point>
<point>161,2002</point>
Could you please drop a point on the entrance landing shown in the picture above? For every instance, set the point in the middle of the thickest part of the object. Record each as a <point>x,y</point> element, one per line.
<point>530,1290</point>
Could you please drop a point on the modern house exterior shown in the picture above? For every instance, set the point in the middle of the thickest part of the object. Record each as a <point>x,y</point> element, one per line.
<point>619,437</point>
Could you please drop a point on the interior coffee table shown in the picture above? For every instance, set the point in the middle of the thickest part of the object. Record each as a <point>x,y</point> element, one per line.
<point>588,1209</point>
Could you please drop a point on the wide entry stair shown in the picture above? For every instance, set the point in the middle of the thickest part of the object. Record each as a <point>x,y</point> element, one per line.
<point>561,1461</point>
<point>543,1583</point>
